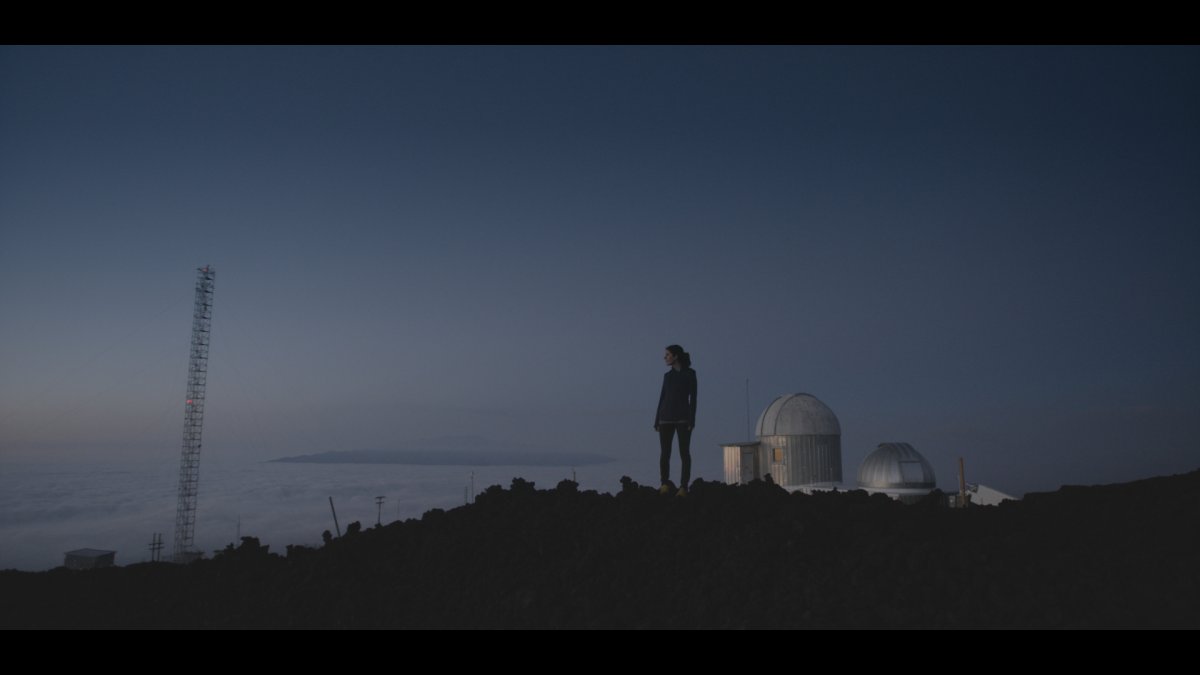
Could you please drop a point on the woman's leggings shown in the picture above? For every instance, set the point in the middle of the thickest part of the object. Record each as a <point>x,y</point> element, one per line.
<point>665,432</point>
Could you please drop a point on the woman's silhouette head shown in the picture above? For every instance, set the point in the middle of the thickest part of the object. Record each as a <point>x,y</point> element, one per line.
<point>675,354</point>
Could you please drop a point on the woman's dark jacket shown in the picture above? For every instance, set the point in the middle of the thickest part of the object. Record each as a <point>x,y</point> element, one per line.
<point>677,402</point>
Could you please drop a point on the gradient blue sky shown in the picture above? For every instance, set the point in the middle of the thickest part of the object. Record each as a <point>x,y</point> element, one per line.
<point>986,252</point>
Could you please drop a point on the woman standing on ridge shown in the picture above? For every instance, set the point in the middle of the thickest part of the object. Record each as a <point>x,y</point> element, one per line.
<point>676,413</point>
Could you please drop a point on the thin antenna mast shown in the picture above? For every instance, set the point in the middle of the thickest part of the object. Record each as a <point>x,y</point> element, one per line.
<point>747,408</point>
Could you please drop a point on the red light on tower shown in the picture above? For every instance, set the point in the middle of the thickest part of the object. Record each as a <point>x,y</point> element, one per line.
<point>189,401</point>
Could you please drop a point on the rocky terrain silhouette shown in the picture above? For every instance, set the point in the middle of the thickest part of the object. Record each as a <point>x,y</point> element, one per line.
<point>724,557</point>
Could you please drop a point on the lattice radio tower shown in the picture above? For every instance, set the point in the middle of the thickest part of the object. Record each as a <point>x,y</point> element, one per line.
<point>193,416</point>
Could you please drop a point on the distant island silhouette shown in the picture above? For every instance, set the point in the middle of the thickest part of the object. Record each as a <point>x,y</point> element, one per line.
<point>455,451</point>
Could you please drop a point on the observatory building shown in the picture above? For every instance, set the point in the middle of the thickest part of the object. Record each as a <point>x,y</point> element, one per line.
<point>799,448</point>
<point>799,444</point>
<point>897,470</point>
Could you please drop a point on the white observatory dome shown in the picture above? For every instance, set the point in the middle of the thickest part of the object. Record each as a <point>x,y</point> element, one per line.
<point>798,415</point>
<point>896,466</point>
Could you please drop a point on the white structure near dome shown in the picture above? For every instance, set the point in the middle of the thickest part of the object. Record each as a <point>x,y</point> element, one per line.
<point>799,445</point>
<point>89,559</point>
<point>981,495</point>
<point>897,470</point>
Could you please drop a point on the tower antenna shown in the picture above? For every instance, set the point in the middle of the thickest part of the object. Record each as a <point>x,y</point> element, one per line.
<point>193,416</point>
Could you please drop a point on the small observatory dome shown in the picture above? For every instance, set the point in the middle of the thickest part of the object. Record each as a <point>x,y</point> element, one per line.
<point>897,469</point>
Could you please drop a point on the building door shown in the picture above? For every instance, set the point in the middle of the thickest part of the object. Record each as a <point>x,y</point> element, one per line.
<point>749,465</point>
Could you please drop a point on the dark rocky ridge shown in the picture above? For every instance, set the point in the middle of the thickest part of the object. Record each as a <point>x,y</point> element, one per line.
<point>726,556</point>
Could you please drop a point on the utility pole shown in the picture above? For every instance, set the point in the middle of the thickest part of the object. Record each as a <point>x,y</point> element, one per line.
<point>156,547</point>
<point>379,507</point>
<point>335,522</point>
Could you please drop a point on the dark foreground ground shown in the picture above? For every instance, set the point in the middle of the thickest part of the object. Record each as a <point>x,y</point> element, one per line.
<point>753,556</point>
